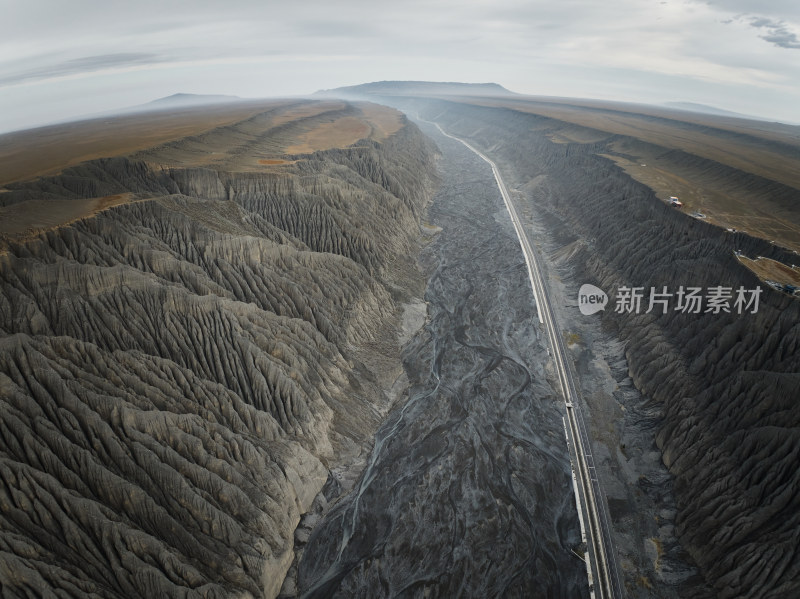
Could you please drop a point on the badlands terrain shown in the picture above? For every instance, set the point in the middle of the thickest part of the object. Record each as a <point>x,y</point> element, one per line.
<point>199,317</point>
<point>288,348</point>
<point>694,417</point>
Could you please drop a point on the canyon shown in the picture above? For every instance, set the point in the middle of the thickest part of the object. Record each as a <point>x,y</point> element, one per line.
<point>288,348</point>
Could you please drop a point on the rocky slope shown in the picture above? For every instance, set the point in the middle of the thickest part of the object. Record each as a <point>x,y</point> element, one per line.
<point>178,374</point>
<point>724,388</point>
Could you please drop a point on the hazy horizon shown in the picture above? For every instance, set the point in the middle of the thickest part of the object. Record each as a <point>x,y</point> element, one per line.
<point>66,61</point>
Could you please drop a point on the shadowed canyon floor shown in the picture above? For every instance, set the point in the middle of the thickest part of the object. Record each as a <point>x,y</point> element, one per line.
<point>467,492</point>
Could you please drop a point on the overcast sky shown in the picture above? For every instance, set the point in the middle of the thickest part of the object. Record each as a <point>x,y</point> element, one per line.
<point>60,59</point>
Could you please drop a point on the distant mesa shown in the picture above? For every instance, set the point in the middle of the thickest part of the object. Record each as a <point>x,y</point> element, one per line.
<point>182,99</point>
<point>705,109</point>
<point>418,88</point>
<point>175,101</point>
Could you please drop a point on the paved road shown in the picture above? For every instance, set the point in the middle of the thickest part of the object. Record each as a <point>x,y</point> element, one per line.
<point>601,561</point>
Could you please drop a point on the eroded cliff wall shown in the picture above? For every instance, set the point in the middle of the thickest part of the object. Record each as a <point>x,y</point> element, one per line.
<point>727,384</point>
<point>178,374</point>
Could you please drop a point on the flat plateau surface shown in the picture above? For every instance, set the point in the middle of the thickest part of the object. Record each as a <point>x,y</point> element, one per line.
<point>246,136</point>
<point>48,150</point>
<point>750,145</point>
<point>711,163</point>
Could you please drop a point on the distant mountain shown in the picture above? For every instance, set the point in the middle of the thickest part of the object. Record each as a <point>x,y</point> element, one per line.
<point>174,101</point>
<point>704,109</point>
<point>191,100</point>
<point>418,88</point>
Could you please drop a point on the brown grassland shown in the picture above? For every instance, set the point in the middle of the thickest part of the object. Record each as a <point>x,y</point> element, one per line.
<point>47,150</point>
<point>643,140</point>
<point>771,270</point>
<point>245,136</point>
<point>375,122</point>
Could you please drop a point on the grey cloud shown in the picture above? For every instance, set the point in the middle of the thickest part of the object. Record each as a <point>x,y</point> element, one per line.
<point>784,9</point>
<point>783,38</point>
<point>76,66</point>
<point>777,33</point>
<point>763,22</point>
